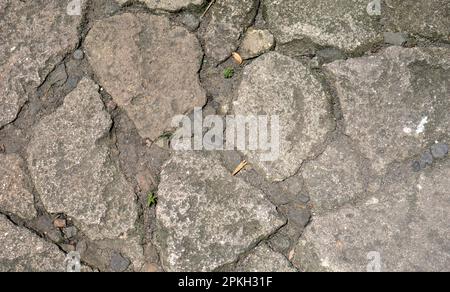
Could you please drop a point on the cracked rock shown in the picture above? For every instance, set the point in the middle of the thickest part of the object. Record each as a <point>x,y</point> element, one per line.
<point>395,102</point>
<point>278,85</point>
<point>226,22</point>
<point>15,188</point>
<point>23,251</point>
<point>30,47</point>
<point>405,224</point>
<point>169,5</point>
<point>338,176</point>
<point>426,18</point>
<point>70,164</point>
<point>264,260</point>
<point>149,66</point>
<point>342,24</point>
<point>206,217</point>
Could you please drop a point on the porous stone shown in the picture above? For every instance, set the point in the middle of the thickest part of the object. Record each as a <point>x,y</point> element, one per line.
<point>404,227</point>
<point>69,161</point>
<point>255,43</point>
<point>425,18</point>
<point>169,5</point>
<point>206,217</point>
<point>395,38</point>
<point>15,187</point>
<point>342,24</point>
<point>276,85</point>
<point>264,260</point>
<point>35,37</point>
<point>338,176</point>
<point>23,251</point>
<point>149,66</point>
<point>439,150</point>
<point>119,263</point>
<point>226,22</point>
<point>394,103</point>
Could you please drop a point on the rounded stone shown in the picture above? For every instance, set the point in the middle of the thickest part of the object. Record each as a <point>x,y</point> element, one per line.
<point>439,150</point>
<point>78,55</point>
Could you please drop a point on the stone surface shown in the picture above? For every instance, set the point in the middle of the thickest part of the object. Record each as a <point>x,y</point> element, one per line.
<point>169,5</point>
<point>336,177</point>
<point>264,260</point>
<point>439,150</point>
<point>394,103</point>
<point>342,24</point>
<point>395,38</point>
<point>15,188</point>
<point>23,251</point>
<point>406,223</point>
<point>278,85</point>
<point>30,47</point>
<point>425,18</point>
<point>119,263</point>
<point>158,64</point>
<point>226,22</point>
<point>207,217</point>
<point>255,43</point>
<point>70,164</point>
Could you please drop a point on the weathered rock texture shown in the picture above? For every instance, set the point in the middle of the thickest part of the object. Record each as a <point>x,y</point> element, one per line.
<point>69,160</point>
<point>35,36</point>
<point>169,5</point>
<point>23,251</point>
<point>225,25</point>
<point>207,217</point>
<point>15,188</point>
<point>149,66</point>
<point>264,260</point>
<point>394,103</point>
<point>278,85</point>
<point>342,24</point>
<point>255,43</point>
<point>425,18</point>
<point>406,223</point>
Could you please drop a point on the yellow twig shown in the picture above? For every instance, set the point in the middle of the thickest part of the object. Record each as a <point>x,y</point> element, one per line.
<point>240,167</point>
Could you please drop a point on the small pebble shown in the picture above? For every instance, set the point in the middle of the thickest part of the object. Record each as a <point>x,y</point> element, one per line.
<point>119,263</point>
<point>78,55</point>
<point>426,159</point>
<point>416,166</point>
<point>395,38</point>
<point>59,223</point>
<point>439,150</point>
<point>303,199</point>
<point>70,232</point>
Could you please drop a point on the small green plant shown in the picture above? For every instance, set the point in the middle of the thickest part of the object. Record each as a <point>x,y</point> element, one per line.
<point>228,73</point>
<point>166,135</point>
<point>152,199</point>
